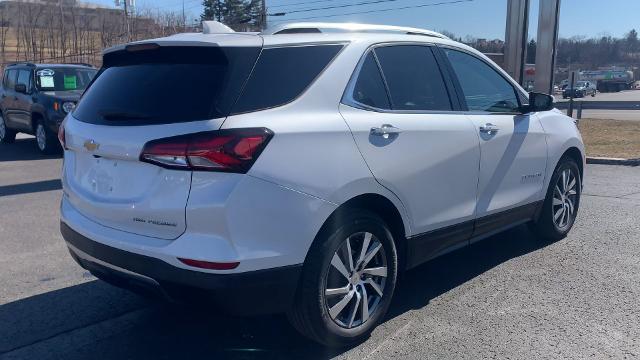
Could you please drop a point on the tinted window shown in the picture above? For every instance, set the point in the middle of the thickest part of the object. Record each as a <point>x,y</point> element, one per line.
<point>369,88</point>
<point>166,85</point>
<point>10,79</point>
<point>24,77</point>
<point>484,89</point>
<point>64,79</point>
<point>282,74</point>
<point>413,77</point>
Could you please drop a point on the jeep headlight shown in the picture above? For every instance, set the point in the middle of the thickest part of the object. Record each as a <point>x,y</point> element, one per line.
<point>68,107</point>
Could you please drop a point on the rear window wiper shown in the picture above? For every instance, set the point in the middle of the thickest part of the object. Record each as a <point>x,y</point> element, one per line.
<point>122,115</point>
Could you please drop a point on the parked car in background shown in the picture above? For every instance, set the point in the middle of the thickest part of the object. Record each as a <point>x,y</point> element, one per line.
<point>35,98</point>
<point>301,169</point>
<point>580,90</point>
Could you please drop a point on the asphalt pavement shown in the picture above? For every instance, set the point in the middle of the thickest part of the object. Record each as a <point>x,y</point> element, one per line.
<point>510,296</point>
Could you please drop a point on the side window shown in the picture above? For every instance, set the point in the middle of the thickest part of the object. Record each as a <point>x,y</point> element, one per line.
<point>369,89</point>
<point>282,74</point>
<point>414,78</point>
<point>483,87</point>
<point>24,77</point>
<point>10,79</point>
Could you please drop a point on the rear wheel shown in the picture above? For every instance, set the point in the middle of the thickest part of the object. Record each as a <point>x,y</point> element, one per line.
<point>348,281</point>
<point>7,135</point>
<point>46,141</point>
<point>561,204</point>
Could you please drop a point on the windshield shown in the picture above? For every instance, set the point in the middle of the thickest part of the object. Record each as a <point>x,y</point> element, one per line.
<point>581,84</point>
<point>64,79</point>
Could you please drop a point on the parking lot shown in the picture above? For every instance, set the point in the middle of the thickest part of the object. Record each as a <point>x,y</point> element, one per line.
<point>510,296</point>
<point>630,95</point>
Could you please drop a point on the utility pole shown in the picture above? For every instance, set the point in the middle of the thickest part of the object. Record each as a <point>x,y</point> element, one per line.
<point>263,15</point>
<point>184,19</point>
<point>127,29</point>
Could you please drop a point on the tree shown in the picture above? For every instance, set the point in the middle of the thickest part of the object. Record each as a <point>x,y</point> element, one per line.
<point>240,15</point>
<point>631,39</point>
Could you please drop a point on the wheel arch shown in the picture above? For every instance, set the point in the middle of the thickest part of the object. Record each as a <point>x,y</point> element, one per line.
<point>379,205</point>
<point>35,116</point>
<point>575,154</point>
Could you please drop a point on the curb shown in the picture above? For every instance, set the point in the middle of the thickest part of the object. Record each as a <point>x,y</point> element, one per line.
<point>613,161</point>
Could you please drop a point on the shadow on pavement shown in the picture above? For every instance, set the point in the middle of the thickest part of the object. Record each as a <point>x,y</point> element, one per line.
<point>94,320</point>
<point>23,150</point>
<point>38,186</point>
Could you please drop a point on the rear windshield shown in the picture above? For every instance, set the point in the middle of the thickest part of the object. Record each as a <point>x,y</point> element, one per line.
<point>166,85</point>
<point>180,84</point>
<point>64,79</point>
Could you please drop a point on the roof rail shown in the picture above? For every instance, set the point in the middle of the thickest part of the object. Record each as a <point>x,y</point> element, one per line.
<point>79,64</point>
<point>319,27</point>
<point>20,63</point>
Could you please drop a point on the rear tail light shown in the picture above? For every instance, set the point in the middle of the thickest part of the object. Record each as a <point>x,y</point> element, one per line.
<point>61,135</point>
<point>233,150</point>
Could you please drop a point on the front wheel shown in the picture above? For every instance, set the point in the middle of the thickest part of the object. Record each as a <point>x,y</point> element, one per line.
<point>7,135</point>
<point>348,280</point>
<point>561,204</point>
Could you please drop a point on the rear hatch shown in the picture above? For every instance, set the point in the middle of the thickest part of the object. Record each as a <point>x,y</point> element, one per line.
<point>143,93</point>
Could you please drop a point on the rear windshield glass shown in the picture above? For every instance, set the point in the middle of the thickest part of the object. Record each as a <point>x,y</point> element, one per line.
<point>166,85</point>
<point>282,74</point>
<point>64,79</point>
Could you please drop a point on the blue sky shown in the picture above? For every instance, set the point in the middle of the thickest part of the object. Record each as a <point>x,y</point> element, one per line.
<point>479,18</point>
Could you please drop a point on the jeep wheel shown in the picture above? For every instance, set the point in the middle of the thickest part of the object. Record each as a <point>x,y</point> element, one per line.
<point>7,135</point>
<point>46,141</point>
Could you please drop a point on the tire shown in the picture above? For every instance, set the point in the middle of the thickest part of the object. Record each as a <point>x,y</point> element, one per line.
<point>46,141</point>
<point>319,315</point>
<point>7,136</point>
<point>564,201</point>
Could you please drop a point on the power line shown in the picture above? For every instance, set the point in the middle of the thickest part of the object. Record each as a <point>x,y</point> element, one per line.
<point>301,3</point>
<point>339,6</point>
<point>377,10</point>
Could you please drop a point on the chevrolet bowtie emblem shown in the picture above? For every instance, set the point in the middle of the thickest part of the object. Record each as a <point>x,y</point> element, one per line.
<point>91,145</point>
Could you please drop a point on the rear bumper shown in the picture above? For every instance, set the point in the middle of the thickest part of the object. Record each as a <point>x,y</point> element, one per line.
<point>248,293</point>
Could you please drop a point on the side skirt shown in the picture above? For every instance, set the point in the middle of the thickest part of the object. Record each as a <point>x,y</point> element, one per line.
<point>424,247</point>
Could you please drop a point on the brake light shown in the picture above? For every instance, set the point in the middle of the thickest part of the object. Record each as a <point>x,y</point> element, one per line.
<point>232,150</point>
<point>61,135</point>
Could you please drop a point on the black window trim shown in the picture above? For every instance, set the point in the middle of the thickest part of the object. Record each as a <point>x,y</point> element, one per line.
<point>460,93</point>
<point>347,96</point>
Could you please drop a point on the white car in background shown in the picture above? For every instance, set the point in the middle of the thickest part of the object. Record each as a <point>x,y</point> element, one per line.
<point>301,169</point>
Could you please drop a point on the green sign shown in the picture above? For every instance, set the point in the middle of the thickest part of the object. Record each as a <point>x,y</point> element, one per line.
<point>70,82</point>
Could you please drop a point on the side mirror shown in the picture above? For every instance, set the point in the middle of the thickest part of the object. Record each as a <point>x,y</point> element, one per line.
<point>539,102</point>
<point>21,88</point>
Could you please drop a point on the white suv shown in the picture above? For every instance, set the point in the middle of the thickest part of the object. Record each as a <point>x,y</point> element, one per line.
<point>301,169</point>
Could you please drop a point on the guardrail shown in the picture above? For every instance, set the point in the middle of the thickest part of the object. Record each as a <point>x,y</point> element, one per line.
<point>596,105</point>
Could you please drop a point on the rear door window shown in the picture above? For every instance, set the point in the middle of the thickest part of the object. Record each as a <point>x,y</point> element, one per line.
<point>369,88</point>
<point>414,78</point>
<point>282,74</point>
<point>166,85</point>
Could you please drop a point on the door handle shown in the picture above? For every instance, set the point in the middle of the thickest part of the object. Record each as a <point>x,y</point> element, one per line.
<point>385,130</point>
<point>489,128</point>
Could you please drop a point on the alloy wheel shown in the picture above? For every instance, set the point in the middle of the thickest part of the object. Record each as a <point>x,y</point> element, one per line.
<point>3,129</point>
<point>564,199</point>
<point>355,281</point>
<point>41,137</point>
